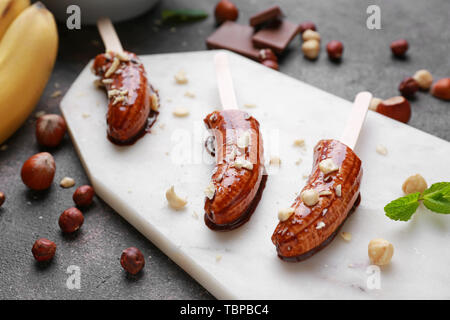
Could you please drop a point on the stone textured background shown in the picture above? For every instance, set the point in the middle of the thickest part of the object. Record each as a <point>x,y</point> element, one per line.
<point>367,65</point>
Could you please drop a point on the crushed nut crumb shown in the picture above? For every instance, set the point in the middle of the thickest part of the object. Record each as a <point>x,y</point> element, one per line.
<point>299,143</point>
<point>275,161</point>
<point>347,236</point>
<point>250,105</point>
<point>381,150</point>
<point>189,94</point>
<point>180,112</point>
<point>338,190</point>
<point>243,163</point>
<point>181,78</point>
<point>56,94</point>
<point>320,225</point>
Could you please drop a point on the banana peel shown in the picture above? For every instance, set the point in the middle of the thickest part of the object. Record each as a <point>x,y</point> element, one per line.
<point>28,52</point>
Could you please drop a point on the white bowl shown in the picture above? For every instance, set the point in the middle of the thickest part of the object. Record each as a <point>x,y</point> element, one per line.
<point>91,10</point>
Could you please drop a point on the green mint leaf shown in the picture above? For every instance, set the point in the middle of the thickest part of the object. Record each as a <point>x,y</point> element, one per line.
<point>437,197</point>
<point>437,188</point>
<point>403,208</point>
<point>184,15</point>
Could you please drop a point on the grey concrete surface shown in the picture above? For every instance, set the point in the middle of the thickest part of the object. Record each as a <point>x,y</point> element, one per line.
<point>367,65</point>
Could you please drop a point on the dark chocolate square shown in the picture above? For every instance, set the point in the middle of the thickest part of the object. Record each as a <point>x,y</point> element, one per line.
<point>265,16</point>
<point>277,36</point>
<point>234,37</point>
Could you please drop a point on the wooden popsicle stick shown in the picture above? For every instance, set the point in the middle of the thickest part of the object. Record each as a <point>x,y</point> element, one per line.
<point>224,81</point>
<point>357,117</point>
<point>109,35</point>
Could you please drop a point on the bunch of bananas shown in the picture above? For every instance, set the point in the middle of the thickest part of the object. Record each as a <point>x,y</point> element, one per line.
<point>28,49</point>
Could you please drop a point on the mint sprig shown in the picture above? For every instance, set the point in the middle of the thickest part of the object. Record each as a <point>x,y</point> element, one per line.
<point>436,198</point>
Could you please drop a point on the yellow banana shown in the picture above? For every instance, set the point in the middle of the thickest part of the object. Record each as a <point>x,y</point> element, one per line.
<point>27,55</point>
<point>9,10</point>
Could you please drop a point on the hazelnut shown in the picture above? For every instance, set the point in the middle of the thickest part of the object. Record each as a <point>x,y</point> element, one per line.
<point>308,25</point>
<point>311,49</point>
<point>71,220</point>
<point>43,249</point>
<point>397,108</point>
<point>415,183</point>
<point>441,89</point>
<point>310,35</point>
<point>380,251</point>
<point>50,130</point>
<point>327,166</point>
<point>2,198</point>
<point>424,79</point>
<point>267,54</point>
<point>83,196</point>
<point>226,10</point>
<point>335,49</point>
<point>399,47</point>
<point>38,171</point>
<point>408,87</point>
<point>271,64</point>
<point>132,260</point>
<point>374,103</point>
<point>310,197</point>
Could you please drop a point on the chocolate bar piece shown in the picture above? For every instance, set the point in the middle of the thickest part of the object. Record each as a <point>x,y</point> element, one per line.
<point>234,37</point>
<point>272,13</point>
<point>277,36</point>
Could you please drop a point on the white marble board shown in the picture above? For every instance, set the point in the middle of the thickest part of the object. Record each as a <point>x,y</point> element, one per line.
<point>243,263</point>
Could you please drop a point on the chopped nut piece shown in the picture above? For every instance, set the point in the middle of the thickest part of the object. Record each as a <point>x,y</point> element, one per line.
<point>210,191</point>
<point>382,150</point>
<point>85,115</point>
<point>113,67</point>
<point>298,161</point>
<point>195,215</point>
<point>39,114</point>
<point>189,94</point>
<point>325,193</point>
<point>67,182</point>
<point>180,112</point>
<point>380,251</point>
<point>310,197</point>
<point>56,93</point>
<point>107,81</point>
<point>113,93</point>
<point>320,225</point>
<point>338,190</point>
<point>327,166</point>
<point>243,163</point>
<point>118,99</point>
<point>154,102</point>
<point>243,140</point>
<point>181,78</point>
<point>275,161</point>
<point>299,142</point>
<point>174,200</point>
<point>284,214</point>
<point>218,258</point>
<point>250,105</point>
<point>415,183</point>
<point>347,236</point>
